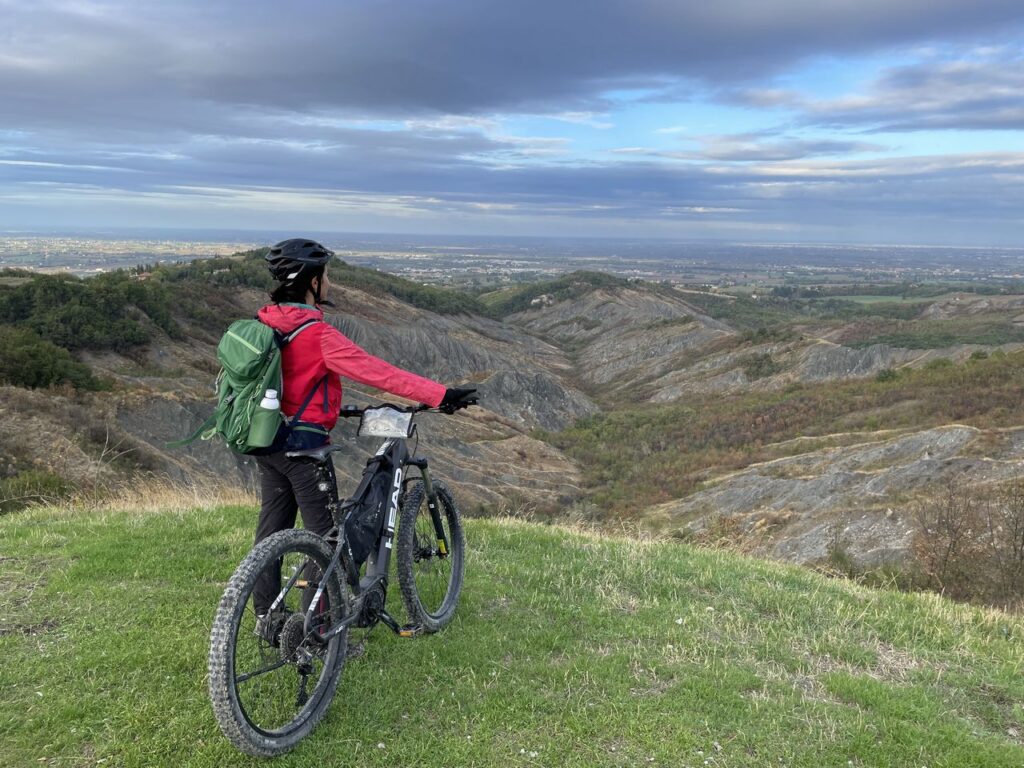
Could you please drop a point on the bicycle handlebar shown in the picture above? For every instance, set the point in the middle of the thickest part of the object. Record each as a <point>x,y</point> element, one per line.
<point>350,411</point>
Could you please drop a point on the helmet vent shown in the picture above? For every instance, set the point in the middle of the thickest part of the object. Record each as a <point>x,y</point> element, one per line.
<point>288,259</point>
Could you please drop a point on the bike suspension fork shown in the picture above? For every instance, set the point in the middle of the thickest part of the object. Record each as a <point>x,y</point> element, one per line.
<point>443,545</point>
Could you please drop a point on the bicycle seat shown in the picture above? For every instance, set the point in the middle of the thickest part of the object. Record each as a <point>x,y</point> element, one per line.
<point>315,455</point>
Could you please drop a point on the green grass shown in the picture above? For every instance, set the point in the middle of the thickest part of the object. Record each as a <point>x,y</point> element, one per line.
<point>567,650</point>
<point>884,299</point>
<point>991,330</point>
<point>774,312</point>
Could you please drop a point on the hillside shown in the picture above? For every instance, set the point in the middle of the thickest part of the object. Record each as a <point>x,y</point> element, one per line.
<point>666,343</point>
<point>802,418</point>
<point>804,507</point>
<point>148,339</point>
<point>622,336</point>
<point>568,649</point>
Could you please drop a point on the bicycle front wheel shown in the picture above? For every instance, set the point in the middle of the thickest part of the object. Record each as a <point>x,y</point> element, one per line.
<point>270,679</point>
<point>430,567</point>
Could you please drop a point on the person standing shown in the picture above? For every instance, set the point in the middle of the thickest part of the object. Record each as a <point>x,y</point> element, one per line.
<point>311,366</point>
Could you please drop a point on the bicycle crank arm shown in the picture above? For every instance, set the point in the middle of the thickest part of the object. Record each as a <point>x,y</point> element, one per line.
<point>410,630</point>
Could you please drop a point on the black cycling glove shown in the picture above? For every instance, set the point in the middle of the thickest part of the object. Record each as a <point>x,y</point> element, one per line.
<point>458,397</point>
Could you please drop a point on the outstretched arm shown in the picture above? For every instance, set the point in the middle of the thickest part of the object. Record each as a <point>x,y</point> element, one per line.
<point>348,359</point>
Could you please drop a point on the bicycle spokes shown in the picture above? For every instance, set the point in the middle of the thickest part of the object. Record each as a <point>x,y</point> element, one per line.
<point>432,567</point>
<point>278,664</point>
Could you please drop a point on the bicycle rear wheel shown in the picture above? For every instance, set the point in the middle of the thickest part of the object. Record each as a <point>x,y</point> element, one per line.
<point>430,578</point>
<point>270,681</point>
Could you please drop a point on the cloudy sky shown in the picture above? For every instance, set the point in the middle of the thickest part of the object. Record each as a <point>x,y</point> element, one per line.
<point>877,121</point>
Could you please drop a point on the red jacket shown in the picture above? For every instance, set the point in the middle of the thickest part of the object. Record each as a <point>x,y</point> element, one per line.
<point>320,349</point>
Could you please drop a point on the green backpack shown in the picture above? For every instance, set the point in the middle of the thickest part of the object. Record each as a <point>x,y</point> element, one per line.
<point>250,356</point>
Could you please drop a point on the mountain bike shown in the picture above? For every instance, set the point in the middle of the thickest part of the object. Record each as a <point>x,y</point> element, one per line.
<point>273,674</point>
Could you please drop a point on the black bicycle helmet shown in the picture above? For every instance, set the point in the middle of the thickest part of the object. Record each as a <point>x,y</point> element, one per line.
<point>289,259</point>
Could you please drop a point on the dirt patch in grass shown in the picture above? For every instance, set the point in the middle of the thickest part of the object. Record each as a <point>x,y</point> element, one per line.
<point>648,681</point>
<point>619,599</point>
<point>496,607</point>
<point>19,579</point>
<point>1006,720</point>
<point>30,629</point>
<point>891,664</point>
<point>655,687</point>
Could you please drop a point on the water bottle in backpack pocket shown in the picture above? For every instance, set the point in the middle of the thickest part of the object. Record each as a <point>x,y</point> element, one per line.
<point>266,420</point>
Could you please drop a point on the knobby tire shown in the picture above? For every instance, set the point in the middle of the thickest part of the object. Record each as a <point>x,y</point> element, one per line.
<point>236,610</point>
<point>423,577</point>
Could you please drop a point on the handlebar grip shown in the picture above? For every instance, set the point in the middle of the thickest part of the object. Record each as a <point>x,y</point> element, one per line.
<point>350,411</point>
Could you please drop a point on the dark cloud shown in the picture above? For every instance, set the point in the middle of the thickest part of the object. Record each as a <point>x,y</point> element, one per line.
<point>965,94</point>
<point>385,104</point>
<point>141,63</point>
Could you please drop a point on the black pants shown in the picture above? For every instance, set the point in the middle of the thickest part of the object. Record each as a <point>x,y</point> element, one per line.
<point>287,486</point>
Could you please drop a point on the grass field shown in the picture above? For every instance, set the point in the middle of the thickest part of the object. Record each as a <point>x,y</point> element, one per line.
<point>569,649</point>
<point>886,299</point>
<point>991,329</point>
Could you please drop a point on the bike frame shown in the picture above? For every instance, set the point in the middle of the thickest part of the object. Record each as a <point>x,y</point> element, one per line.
<point>392,457</point>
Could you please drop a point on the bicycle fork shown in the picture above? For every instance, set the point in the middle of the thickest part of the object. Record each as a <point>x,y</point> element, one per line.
<point>443,545</point>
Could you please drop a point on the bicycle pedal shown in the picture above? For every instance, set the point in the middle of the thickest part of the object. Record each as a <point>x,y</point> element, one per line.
<point>410,630</point>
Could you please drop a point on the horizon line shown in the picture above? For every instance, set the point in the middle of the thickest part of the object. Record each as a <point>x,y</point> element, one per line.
<point>124,230</point>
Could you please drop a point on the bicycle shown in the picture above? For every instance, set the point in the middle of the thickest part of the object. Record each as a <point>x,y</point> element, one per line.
<point>273,676</point>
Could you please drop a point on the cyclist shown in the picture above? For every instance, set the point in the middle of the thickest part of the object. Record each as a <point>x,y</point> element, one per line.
<point>311,364</point>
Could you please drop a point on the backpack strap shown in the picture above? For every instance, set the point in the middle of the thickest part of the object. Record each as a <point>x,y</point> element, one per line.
<point>323,379</point>
<point>207,426</point>
<point>309,398</point>
<point>291,336</point>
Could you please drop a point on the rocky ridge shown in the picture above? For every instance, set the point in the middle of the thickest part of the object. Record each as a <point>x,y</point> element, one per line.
<point>620,338</point>
<point>855,496</point>
<point>606,347</point>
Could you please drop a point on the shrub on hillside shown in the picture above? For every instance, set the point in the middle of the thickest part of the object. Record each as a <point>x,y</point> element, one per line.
<point>970,542</point>
<point>29,488</point>
<point>433,298</point>
<point>765,335</point>
<point>101,312</point>
<point>990,330</point>
<point>248,269</point>
<point>28,360</point>
<point>760,366</point>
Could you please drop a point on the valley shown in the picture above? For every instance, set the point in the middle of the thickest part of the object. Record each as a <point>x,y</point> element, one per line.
<point>797,420</point>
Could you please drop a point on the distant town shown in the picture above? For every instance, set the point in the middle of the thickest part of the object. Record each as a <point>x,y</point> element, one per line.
<point>90,255</point>
<point>477,262</point>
